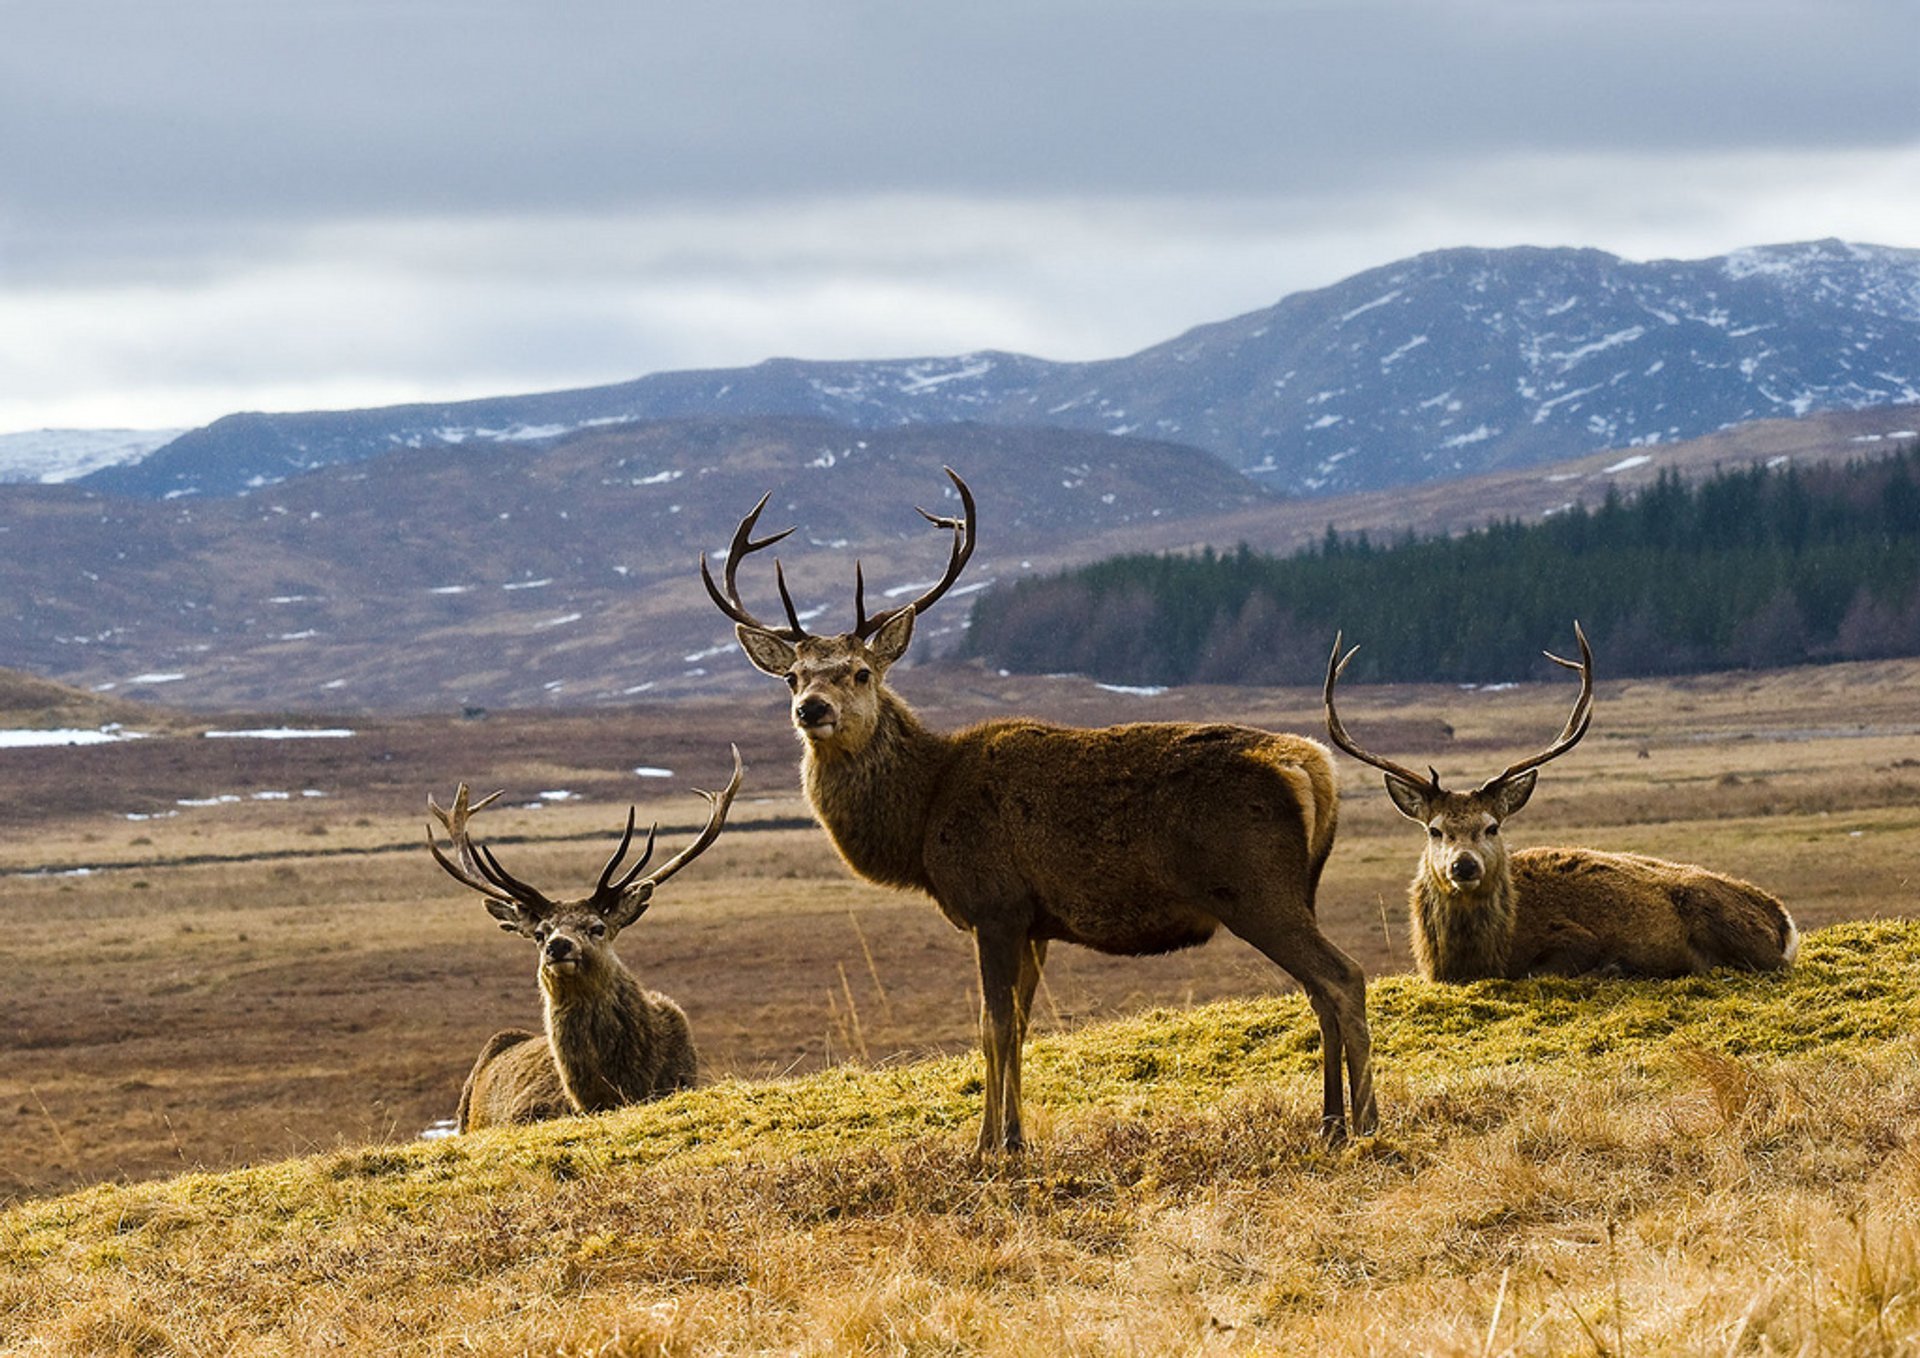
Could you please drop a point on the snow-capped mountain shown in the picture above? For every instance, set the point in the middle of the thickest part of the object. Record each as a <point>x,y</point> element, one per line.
<point>1446,364</point>
<point>50,456</point>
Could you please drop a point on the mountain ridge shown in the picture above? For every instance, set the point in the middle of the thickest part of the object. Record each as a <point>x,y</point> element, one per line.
<point>1449,363</point>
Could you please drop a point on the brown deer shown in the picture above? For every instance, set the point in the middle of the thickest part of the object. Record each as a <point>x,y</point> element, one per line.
<point>1129,839</point>
<point>1479,911</point>
<point>609,1041</point>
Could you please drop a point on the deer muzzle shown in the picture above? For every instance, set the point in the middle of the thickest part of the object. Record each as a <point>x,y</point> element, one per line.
<point>815,715</point>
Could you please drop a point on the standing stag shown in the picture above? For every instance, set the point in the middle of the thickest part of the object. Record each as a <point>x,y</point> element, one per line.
<point>1479,911</point>
<point>609,1041</point>
<point>1129,839</point>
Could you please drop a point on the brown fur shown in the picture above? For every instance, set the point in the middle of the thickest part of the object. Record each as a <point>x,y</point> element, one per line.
<point>1569,911</point>
<point>614,1042</point>
<point>1479,912</point>
<point>608,1041</point>
<point>513,1081</point>
<point>1127,839</point>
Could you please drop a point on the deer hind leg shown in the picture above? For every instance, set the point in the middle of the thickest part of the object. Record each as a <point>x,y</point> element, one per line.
<point>1337,989</point>
<point>1033,957</point>
<point>1005,991</point>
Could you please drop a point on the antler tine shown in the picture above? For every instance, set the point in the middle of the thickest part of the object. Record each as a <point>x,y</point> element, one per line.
<point>477,869</point>
<point>505,881</point>
<point>786,599</point>
<point>607,890</point>
<point>964,536</point>
<point>1577,720</point>
<point>742,545</point>
<point>718,804</point>
<point>455,871</point>
<point>1337,731</point>
<point>454,820</point>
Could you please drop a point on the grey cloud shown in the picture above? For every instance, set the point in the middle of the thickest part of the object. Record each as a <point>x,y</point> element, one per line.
<point>200,108</point>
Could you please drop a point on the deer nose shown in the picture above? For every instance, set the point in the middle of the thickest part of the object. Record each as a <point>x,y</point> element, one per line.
<point>1465,868</point>
<point>812,711</point>
<point>559,948</point>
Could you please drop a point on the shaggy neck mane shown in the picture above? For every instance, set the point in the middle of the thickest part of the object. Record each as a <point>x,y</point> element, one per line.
<point>1462,936</point>
<point>874,801</point>
<point>596,1030</point>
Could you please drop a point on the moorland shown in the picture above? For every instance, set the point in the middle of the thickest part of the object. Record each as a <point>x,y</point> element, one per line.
<point>227,951</point>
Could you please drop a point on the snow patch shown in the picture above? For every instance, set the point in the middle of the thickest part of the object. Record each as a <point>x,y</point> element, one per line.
<point>54,456</point>
<point>282,733</point>
<point>1626,464</point>
<point>28,740</point>
<point>1365,307</point>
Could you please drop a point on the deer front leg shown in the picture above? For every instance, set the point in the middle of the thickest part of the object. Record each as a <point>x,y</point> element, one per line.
<point>1001,1030</point>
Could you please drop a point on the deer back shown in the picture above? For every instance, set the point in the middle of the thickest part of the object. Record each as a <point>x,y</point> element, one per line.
<point>1582,909</point>
<point>513,1081</point>
<point>1127,838</point>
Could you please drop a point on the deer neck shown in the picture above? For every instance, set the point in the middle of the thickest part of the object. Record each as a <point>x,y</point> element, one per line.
<point>874,800</point>
<point>1462,935</point>
<point>596,1029</point>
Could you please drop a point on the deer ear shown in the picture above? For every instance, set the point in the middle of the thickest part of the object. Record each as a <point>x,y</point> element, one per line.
<point>890,642</point>
<point>1408,798</point>
<point>510,916</point>
<point>1510,796</point>
<point>632,905</point>
<point>769,653</point>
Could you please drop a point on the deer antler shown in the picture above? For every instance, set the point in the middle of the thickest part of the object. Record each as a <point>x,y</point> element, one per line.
<point>478,868</point>
<point>1337,731</point>
<point>729,602</point>
<point>737,550</point>
<point>963,539</point>
<point>630,896</point>
<point>1577,720</point>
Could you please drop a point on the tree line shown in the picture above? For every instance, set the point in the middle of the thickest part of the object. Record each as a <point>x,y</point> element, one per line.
<point>1747,569</point>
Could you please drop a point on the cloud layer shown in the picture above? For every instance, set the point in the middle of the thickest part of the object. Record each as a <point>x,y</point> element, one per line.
<point>217,205</point>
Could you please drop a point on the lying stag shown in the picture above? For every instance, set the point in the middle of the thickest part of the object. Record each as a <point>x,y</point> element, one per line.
<point>1131,839</point>
<point>1479,911</point>
<point>609,1041</point>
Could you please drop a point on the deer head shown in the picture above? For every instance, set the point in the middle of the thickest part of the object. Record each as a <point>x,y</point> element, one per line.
<point>835,681</point>
<point>574,934</point>
<point>1465,853</point>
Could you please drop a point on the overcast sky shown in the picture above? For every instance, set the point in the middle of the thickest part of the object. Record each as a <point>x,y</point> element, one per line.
<point>215,205</point>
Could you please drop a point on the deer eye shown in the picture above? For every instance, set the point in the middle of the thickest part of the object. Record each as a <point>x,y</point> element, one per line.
<point>1492,830</point>
<point>793,681</point>
<point>540,932</point>
<point>596,931</point>
<point>1433,832</point>
<point>862,676</point>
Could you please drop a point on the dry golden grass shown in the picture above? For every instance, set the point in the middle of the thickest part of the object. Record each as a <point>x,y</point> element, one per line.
<point>1722,1166</point>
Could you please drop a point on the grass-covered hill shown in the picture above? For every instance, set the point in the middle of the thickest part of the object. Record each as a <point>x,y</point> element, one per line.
<point>1722,1165</point>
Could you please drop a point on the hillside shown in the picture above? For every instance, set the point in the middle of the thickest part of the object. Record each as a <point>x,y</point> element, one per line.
<point>1448,364</point>
<point>1718,1165</point>
<point>440,578</point>
<point>29,703</point>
